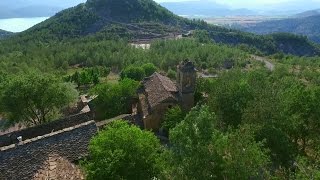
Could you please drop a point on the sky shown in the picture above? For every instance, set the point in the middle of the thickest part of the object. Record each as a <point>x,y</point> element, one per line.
<point>253,3</point>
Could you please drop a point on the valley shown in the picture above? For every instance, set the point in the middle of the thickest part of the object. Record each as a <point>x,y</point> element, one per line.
<point>118,89</point>
<point>244,21</point>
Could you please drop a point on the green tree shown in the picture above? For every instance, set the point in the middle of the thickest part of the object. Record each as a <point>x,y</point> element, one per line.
<point>95,79</point>
<point>76,78</point>
<point>132,72</point>
<point>35,98</point>
<point>300,112</point>
<point>114,99</point>
<point>85,78</point>
<point>202,36</point>
<point>172,74</point>
<point>173,117</point>
<point>149,69</point>
<point>307,169</point>
<point>123,151</point>
<point>229,97</point>
<point>191,157</point>
<point>201,151</point>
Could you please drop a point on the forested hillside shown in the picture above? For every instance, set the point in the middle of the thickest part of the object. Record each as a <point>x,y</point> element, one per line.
<point>146,20</point>
<point>307,26</point>
<point>314,12</point>
<point>248,121</point>
<point>4,33</point>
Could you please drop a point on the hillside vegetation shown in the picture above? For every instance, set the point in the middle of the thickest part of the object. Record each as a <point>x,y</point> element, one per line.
<point>146,20</point>
<point>302,25</point>
<point>4,33</point>
<point>248,122</point>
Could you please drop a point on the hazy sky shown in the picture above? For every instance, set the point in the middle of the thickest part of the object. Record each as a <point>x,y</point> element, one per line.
<point>252,3</point>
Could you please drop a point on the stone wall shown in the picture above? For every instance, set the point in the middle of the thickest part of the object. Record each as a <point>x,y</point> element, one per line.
<point>25,160</point>
<point>155,119</point>
<point>53,126</point>
<point>102,124</point>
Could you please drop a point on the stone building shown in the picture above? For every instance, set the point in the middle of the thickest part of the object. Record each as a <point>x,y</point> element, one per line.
<point>158,94</point>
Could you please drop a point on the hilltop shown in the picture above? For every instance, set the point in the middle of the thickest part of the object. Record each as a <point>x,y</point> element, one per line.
<point>4,33</point>
<point>303,24</point>
<point>147,20</point>
<point>314,12</point>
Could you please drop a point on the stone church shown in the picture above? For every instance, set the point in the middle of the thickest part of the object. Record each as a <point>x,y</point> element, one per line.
<point>158,94</point>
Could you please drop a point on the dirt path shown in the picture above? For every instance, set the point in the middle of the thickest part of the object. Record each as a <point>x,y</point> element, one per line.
<point>265,60</point>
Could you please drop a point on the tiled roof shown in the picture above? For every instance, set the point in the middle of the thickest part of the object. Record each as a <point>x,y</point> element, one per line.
<point>157,89</point>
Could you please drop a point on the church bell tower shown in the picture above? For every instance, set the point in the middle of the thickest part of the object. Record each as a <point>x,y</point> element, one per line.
<point>186,82</point>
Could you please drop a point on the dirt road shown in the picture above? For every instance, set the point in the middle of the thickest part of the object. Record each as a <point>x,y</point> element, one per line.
<point>265,60</point>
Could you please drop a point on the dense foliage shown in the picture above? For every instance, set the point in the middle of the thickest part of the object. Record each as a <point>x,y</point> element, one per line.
<point>173,117</point>
<point>116,55</point>
<point>201,150</point>
<point>133,72</point>
<point>88,76</point>
<point>4,33</point>
<point>307,26</point>
<point>249,123</point>
<point>144,20</point>
<point>114,99</point>
<point>123,151</point>
<point>34,99</point>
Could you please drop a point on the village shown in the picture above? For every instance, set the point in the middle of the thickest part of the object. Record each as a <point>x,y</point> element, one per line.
<point>119,89</point>
<point>59,144</point>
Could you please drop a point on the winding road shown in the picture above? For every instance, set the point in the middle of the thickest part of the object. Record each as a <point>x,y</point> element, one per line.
<point>265,60</point>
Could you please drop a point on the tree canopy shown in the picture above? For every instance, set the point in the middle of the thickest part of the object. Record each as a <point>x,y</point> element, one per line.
<point>114,99</point>
<point>123,151</point>
<point>35,98</point>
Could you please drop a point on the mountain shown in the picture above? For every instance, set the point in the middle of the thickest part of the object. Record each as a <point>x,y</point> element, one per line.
<point>144,20</point>
<point>204,8</point>
<point>306,26</point>
<point>33,8</point>
<point>314,12</point>
<point>29,11</point>
<point>4,33</point>
<point>286,7</point>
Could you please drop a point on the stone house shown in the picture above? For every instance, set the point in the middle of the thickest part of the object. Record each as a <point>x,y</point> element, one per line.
<point>158,93</point>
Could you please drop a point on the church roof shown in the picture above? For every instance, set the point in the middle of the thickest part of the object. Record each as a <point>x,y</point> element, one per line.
<point>157,89</point>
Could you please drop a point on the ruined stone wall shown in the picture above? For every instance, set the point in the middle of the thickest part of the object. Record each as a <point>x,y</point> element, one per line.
<point>26,159</point>
<point>155,119</point>
<point>187,101</point>
<point>53,126</point>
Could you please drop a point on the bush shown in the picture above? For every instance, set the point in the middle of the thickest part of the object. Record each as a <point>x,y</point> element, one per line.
<point>133,72</point>
<point>172,74</point>
<point>114,99</point>
<point>149,69</point>
<point>173,117</point>
<point>122,151</point>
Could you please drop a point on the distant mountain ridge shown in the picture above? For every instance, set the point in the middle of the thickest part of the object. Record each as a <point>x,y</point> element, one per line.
<point>307,26</point>
<point>4,33</point>
<point>204,8</point>
<point>140,20</point>
<point>314,12</point>
<point>33,8</point>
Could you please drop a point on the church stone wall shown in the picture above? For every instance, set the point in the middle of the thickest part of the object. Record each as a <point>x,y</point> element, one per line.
<point>22,161</point>
<point>155,119</point>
